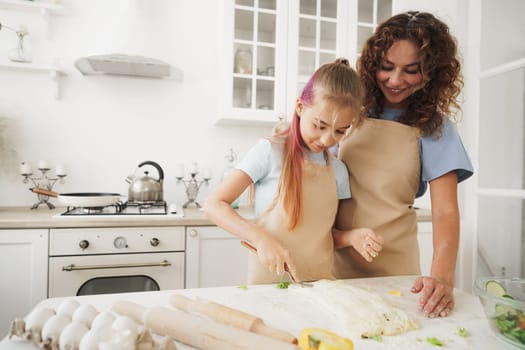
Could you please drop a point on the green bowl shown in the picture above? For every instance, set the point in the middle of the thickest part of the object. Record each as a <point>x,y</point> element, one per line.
<point>505,313</point>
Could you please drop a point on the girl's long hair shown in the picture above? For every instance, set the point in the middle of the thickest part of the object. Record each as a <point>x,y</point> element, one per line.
<point>336,82</point>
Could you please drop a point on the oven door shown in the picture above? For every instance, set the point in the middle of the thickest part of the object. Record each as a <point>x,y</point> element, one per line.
<point>115,273</point>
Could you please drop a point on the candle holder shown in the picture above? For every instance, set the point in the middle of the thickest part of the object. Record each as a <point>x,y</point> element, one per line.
<point>44,181</point>
<point>192,188</point>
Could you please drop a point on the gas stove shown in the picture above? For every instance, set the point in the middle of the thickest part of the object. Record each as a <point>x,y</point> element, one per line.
<point>159,208</point>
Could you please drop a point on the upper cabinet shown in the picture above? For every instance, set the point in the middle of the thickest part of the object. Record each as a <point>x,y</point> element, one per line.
<point>273,47</point>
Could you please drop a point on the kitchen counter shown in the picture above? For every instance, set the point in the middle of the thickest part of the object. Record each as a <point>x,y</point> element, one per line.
<point>25,218</point>
<point>284,310</point>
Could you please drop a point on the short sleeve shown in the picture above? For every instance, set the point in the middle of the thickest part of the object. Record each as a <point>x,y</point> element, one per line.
<point>342,179</point>
<point>442,155</point>
<point>256,163</point>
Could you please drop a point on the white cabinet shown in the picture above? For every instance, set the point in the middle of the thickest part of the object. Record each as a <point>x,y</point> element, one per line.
<point>214,258</point>
<point>23,261</point>
<point>272,48</point>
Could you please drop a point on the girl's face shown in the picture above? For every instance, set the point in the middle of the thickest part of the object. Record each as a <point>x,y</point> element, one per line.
<point>319,126</point>
<point>399,74</point>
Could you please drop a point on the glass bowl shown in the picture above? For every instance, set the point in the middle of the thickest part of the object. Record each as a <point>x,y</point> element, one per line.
<point>504,307</point>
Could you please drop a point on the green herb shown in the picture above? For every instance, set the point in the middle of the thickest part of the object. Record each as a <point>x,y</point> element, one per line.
<point>419,340</point>
<point>283,285</point>
<point>376,337</point>
<point>435,341</point>
<point>243,286</point>
<point>462,332</point>
<point>313,343</point>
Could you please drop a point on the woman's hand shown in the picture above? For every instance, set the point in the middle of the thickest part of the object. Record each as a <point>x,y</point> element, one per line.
<point>273,255</point>
<point>364,240</point>
<point>437,297</point>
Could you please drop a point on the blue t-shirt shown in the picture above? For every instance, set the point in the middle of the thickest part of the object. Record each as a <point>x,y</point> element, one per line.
<point>263,164</point>
<point>439,155</point>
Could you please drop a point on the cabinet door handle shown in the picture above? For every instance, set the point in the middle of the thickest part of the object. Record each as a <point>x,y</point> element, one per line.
<point>193,233</point>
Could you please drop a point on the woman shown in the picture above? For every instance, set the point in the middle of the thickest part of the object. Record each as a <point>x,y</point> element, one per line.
<point>411,76</point>
<point>298,184</point>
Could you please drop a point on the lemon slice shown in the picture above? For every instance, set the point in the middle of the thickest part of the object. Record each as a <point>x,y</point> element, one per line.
<point>320,339</point>
<point>495,288</point>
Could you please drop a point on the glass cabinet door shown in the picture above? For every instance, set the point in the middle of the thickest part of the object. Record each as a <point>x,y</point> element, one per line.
<point>255,31</point>
<point>370,13</point>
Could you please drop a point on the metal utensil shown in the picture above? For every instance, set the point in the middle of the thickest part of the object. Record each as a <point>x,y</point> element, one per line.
<point>292,278</point>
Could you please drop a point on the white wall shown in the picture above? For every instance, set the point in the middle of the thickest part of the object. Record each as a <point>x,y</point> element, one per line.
<point>104,126</point>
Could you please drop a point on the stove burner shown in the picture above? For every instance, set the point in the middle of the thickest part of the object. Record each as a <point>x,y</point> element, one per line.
<point>121,208</point>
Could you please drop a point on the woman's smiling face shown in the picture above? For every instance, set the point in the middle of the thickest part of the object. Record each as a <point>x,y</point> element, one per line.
<point>399,74</point>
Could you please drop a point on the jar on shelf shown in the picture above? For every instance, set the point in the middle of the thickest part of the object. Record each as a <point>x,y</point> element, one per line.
<point>243,61</point>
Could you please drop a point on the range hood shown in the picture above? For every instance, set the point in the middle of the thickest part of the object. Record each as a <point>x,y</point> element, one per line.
<point>120,64</point>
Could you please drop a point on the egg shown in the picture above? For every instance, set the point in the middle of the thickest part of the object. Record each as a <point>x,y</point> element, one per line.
<point>37,318</point>
<point>72,335</point>
<point>102,320</point>
<point>85,314</point>
<point>124,323</point>
<point>53,327</point>
<point>68,307</point>
<point>92,339</point>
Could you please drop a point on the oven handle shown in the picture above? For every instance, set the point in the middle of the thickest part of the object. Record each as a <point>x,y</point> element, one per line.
<point>73,267</point>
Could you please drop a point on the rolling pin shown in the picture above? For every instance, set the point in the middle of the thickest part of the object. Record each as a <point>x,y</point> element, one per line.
<point>197,331</point>
<point>230,316</point>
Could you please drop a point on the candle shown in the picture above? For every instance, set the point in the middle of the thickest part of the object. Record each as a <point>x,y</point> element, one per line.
<point>60,170</point>
<point>43,164</point>
<point>25,168</point>
<point>206,173</point>
<point>194,168</point>
<point>179,171</point>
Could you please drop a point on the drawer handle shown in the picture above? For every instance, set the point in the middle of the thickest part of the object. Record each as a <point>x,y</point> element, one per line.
<point>73,267</point>
<point>193,233</point>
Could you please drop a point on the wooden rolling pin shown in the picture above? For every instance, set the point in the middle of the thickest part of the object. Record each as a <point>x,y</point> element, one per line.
<point>230,316</point>
<point>197,331</point>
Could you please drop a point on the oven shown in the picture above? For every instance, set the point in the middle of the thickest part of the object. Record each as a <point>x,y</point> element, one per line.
<point>115,260</point>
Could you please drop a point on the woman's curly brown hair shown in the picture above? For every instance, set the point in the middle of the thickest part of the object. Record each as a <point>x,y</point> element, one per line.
<point>439,66</point>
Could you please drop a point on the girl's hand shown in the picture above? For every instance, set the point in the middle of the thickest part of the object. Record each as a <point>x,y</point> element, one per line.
<point>273,255</point>
<point>437,297</point>
<point>366,242</point>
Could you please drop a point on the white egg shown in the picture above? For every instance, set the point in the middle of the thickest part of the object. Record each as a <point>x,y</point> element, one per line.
<point>102,320</point>
<point>68,307</point>
<point>37,318</point>
<point>123,323</point>
<point>72,335</point>
<point>92,339</point>
<point>54,326</point>
<point>85,314</point>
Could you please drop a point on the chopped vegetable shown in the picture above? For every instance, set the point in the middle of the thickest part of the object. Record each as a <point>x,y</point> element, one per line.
<point>243,286</point>
<point>435,341</point>
<point>395,292</point>
<point>283,285</point>
<point>495,288</point>
<point>462,332</point>
<point>419,339</point>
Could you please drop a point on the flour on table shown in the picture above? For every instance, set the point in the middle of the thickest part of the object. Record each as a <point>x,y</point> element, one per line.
<point>356,312</point>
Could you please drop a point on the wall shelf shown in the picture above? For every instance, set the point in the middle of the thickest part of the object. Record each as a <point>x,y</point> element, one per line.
<point>44,7</point>
<point>54,72</point>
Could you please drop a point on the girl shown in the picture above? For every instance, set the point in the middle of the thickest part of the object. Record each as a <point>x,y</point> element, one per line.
<point>411,76</point>
<point>298,184</point>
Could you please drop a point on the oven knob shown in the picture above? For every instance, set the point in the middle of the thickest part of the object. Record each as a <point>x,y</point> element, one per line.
<point>120,242</point>
<point>154,242</point>
<point>83,244</point>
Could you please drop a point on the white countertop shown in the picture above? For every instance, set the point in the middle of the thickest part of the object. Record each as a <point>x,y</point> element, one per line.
<point>25,218</point>
<point>284,310</point>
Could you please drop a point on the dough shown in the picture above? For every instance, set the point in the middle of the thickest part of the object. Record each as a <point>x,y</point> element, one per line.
<point>357,313</point>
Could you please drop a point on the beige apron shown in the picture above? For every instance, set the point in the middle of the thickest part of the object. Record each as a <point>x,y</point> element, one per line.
<point>310,244</point>
<point>384,165</point>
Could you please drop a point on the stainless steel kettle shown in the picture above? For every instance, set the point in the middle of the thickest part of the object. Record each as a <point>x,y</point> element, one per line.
<point>146,188</point>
